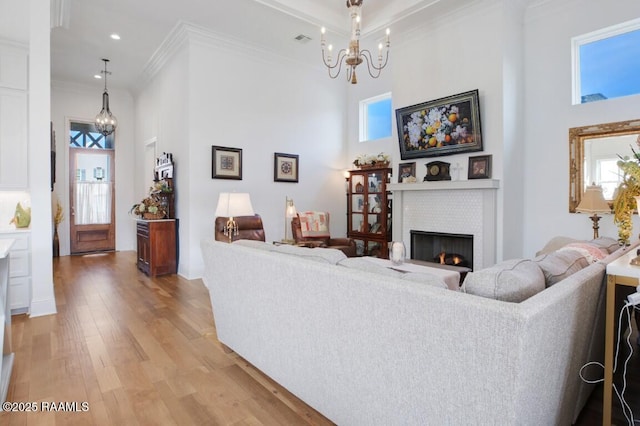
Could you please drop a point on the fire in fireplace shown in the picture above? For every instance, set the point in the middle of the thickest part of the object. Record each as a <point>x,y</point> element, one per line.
<point>443,248</point>
<point>455,259</point>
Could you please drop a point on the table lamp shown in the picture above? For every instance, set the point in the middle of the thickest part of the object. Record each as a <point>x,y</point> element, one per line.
<point>230,205</point>
<point>289,212</point>
<point>593,202</point>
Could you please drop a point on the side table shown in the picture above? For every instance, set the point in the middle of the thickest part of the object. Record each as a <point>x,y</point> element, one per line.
<point>619,272</point>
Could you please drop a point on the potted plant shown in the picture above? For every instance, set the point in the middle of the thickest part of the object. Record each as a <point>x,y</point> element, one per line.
<point>150,208</point>
<point>627,194</point>
<point>369,161</point>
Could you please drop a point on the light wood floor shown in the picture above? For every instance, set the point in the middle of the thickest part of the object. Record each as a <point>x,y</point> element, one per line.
<point>140,351</point>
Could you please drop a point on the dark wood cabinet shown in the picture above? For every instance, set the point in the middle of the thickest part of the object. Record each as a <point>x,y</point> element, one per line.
<point>369,211</point>
<point>157,246</point>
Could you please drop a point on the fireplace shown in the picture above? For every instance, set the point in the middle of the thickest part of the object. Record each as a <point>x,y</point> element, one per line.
<point>443,248</point>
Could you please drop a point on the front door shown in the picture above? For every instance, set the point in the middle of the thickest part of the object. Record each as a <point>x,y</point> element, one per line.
<point>91,193</point>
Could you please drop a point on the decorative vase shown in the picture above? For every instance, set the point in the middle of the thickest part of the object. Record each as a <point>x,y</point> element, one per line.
<point>397,252</point>
<point>56,242</point>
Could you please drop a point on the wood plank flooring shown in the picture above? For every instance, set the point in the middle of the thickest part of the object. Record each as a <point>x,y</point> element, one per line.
<point>140,351</point>
<point>144,351</point>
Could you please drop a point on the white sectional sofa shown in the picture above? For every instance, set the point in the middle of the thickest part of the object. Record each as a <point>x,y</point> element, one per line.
<point>366,347</point>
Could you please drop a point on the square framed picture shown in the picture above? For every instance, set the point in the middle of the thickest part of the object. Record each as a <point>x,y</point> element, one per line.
<point>406,170</point>
<point>226,163</point>
<point>285,167</point>
<point>480,167</point>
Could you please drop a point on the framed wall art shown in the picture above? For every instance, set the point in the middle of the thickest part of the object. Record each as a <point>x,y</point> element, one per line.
<point>285,167</point>
<point>226,163</point>
<point>480,167</point>
<point>443,126</point>
<point>406,171</point>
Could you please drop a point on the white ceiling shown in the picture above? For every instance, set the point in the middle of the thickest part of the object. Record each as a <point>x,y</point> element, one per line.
<point>78,46</point>
<point>143,25</point>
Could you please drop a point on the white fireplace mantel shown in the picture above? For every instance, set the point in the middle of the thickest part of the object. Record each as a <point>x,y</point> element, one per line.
<point>446,185</point>
<point>462,206</point>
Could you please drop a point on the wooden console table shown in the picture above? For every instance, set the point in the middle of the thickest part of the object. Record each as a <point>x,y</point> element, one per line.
<point>157,246</point>
<point>619,272</point>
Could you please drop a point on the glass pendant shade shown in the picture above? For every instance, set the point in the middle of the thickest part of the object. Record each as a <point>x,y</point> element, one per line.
<point>106,122</point>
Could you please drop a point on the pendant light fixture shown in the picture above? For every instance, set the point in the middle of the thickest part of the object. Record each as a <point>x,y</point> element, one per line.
<point>353,55</point>
<point>106,122</point>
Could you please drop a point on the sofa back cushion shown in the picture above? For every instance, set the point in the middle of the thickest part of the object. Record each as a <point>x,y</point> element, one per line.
<point>513,280</point>
<point>607,243</point>
<point>560,264</point>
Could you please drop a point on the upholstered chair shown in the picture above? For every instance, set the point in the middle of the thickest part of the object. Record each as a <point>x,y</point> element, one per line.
<point>249,228</point>
<point>311,229</point>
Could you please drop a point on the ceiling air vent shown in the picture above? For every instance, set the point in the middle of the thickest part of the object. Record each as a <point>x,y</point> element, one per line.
<point>301,38</point>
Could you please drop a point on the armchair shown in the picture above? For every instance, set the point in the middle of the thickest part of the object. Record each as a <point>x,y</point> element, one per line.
<point>311,229</point>
<point>249,228</point>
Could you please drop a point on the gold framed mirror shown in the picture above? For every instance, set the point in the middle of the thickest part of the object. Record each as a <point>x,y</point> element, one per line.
<point>593,156</point>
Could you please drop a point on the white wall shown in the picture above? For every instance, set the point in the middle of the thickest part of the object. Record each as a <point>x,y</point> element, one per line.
<point>549,114</point>
<point>71,102</point>
<point>235,96</point>
<point>431,61</point>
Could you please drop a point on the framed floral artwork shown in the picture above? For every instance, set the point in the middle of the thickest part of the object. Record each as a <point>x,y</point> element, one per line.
<point>285,167</point>
<point>443,126</point>
<point>226,163</point>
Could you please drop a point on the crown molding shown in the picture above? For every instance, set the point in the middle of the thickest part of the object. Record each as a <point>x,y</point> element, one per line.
<point>185,33</point>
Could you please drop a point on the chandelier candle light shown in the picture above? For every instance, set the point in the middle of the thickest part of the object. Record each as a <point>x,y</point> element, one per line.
<point>353,56</point>
<point>106,122</point>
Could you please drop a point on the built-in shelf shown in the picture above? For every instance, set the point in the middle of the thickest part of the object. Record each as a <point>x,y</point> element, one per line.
<point>445,185</point>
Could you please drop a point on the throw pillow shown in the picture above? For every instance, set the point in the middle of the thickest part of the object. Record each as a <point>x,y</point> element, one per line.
<point>591,252</point>
<point>314,224</point>
<point>513,280</point>
<point>556,243</point>
<point>560,264</point>
<point>606,243</point>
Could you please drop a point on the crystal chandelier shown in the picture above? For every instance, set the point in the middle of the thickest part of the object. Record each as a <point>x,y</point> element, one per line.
<point>106,122</point>
<point>353,56</point>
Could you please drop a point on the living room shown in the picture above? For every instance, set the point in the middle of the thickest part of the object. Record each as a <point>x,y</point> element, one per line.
<point>201,89</point>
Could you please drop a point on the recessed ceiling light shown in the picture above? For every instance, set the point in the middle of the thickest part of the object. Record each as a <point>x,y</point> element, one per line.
<point>97,76</point>
<point>115,36</point>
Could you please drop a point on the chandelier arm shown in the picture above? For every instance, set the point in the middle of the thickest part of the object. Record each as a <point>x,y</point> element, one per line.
<point>366,54</point>
<point>367,57</point>
<point>341,54</point>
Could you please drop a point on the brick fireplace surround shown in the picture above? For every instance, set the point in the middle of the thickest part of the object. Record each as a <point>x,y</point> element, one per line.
<point>457,207</point>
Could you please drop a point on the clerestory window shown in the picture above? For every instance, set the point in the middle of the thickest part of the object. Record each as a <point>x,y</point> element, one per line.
<point>606,63</point>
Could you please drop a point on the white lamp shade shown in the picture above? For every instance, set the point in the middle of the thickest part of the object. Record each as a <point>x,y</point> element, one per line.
<point>233,204</point>
<point>593,201</point>
<point>291,209</point>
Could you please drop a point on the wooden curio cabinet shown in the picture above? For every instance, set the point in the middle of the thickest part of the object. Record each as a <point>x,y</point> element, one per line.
<point>369,211</point>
